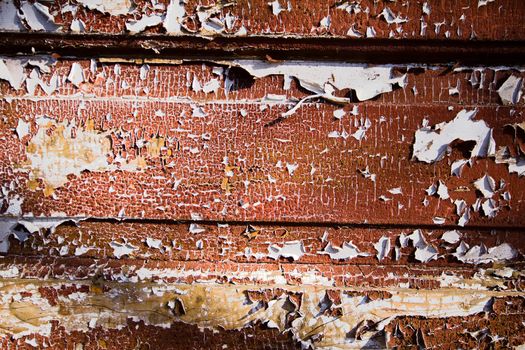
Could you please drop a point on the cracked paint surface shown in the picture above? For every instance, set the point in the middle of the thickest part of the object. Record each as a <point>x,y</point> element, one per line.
<point>224,203</point>
<point>467,19</point>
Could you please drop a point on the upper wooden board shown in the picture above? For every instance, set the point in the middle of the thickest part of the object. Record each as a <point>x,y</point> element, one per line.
<point>439,19</point>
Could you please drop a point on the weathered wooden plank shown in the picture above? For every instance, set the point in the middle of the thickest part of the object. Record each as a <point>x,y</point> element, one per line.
<point>465,19</point>
<point>333,222</point>
<point>307,167</point>
<point>262,244</point>
<point>315,316</point>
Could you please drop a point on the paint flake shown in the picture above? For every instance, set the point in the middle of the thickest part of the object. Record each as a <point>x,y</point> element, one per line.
<point>12,70</point>
<point>368,82</point>
<point>23,128</point>
<point>196,228</point>
<point>146,21</point>
<point>76,74</point>
<point>9,19</point>
<point>112,7</point>
<point>484,2</point>
<point>37,17</point>
<point>479,254</point>
<point>122,249</point>
<point>431,144</point>
<point>442,191</point>
<point>174,17</point>
<point>211,86</point>
<point>339,114</point>
<point>346,252</point>
<point>486,185</point>
<point>457,167</point>
<point>382,247</point>
<point>424,251</point>
<point>153,243</point>
<point>451,237</point>
<point>396,190</point>
<point>511,90</point>
<point>438,220</point>
<point>390,17</point>
<point>293,249</point>
<point>77,26</point>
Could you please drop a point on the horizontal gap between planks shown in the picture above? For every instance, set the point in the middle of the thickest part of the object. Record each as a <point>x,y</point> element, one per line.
<point>379,226</point>
<point>375,51</point>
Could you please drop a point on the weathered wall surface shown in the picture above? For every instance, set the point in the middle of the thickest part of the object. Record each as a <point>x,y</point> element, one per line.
<point>262,175</point>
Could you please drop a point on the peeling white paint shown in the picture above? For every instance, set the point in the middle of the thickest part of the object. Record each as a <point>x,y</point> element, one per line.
<point>293,249</point>
<point>76,74</point>
<point>113,7</point>
<point>511,90</point>
<point>122,249</point>
<point>368,82</point>
<point>137,26</point>
<point>486,185</point>
<point>451,237</point>
<point>174,17</point>
<point>346,252</point>
<point>9,19</point>
<point>382,247</point>
<point>431,144</point>
<point>480,254</point>
<point>37,17</point>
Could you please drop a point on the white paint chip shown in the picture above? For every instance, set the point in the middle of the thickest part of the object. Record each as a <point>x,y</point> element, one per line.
<point>390,17</point>
<point>382,247</point>
<point>198,112</point>
<point>276,7</point>
<point>368,82</point>
<point>457,167</point>
<point>146,21</point>
<point>438,220</point>
<point>23,128</point>
<point>143,72</point>
<point>293,249</point>
<point>77,26</point>
<point>9,19</point>
<point>426,8</point>
<point>174,17</point>
<point>12,70</point>
<point>339,114</point>
<point>37,17</point>
<point>451,237</point>
<point>113,7</point>
<point>196,228</point>
<point>291,168</point>
<point>484,2</point>
<point>424,251</point>
<point>511,90</point>
<point>396,190</point>
<point>347,251</point>
<point>442,190</point>
<point>76,74</point>
<point>486,185</point>
<point>153,243</point>
<point>479,254</point>
<point>211,86</point>
<point>81,250</point>
<point>122,249</point>
<point>431,144</point>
